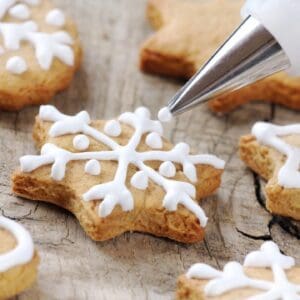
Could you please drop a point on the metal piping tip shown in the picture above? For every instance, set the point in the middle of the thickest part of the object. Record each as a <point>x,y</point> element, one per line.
<point>251,53</point>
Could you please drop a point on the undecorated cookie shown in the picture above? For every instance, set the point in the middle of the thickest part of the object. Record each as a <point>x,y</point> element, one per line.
<point>39,52</point>
<point>18,259</point>
<point>274,153</point>
<point>118,175</point>
<point>188,32</point>
<point>265,275</point>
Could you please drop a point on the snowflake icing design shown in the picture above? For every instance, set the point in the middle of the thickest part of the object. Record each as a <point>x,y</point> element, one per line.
<point>116,192</point>
<point>47,45</point>
<point>233,276</point>
<point>270,135</point>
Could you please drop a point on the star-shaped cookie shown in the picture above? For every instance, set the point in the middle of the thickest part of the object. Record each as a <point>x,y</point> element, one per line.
<point>265,274</point>
<point>39,52</point>
<point>274,153</point>
<point>118,175</point>
<point>188,33</point>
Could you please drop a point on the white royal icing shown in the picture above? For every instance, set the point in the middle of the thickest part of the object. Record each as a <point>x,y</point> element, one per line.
<point>233,276</point>
<point>93,167</point>
<point>23,252</point>
<point>167,169</point>
<point>81,142</point>
<point>164,115</point>
<point>270,135</point>
<point>139,180</point>
<point>56,17</point>
<point>116,192</point>
<point>16,65</point>
<point>113,128</point>
<point>20,11</point>
<point>154,141</point>
<point>47,46</point>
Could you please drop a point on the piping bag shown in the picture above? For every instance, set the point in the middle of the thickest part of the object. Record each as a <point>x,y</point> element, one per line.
<point>266,42</point>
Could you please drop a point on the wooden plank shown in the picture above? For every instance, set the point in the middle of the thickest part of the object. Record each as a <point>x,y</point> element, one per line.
<point>137,266</point>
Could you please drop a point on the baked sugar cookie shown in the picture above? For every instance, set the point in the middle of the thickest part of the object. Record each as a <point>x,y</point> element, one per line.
<point>265,275</point>
<point>39,52</point>
<point>118,175</point>
<point>18,259</point>
<point>189,32</point>
<point>274,153</point>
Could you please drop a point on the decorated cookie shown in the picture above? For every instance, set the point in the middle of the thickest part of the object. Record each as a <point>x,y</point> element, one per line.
<point>118,175</point>
<point>39,52</point>
<point>274,153</point>
<point>189,32</point>
<point>18,259</point>
<point>266,274</point>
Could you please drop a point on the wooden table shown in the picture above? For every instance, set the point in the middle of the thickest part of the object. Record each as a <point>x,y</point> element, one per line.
<point>138,266</point>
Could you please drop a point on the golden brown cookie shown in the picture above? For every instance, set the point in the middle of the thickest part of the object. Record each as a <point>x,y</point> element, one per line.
<point>266,274</point>
<point>271,151</point>
<point>188,33</point>
<point>39,52</point>
<point>119,175</point>
<point>18,260</point>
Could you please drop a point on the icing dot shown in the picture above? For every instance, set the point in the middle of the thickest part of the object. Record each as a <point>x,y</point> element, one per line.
<point>143,112</point>
<point>154,140</point>
<point>167,169</point>
<point>139,180</point>
<point>16,65</point>
<point>20,11</point>
<point>164,115</point>
<point>56,18</point>
<point>81,142</point>
<point>113,128</point>
<point>183,148</point>
<point>92,167</point>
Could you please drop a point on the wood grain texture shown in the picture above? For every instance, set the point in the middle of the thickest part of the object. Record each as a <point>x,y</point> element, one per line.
<point>138,266</point>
